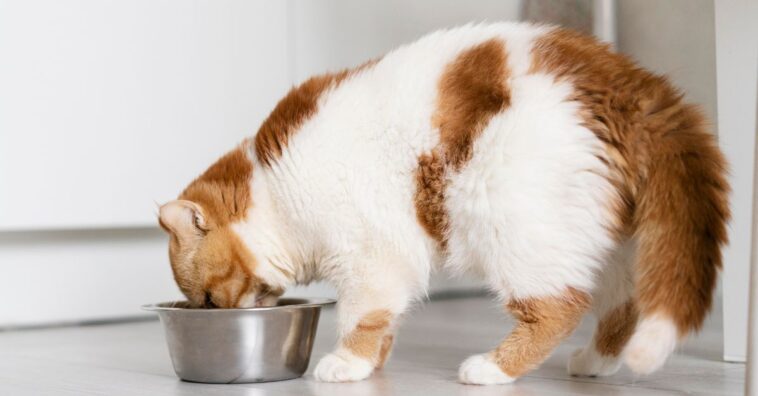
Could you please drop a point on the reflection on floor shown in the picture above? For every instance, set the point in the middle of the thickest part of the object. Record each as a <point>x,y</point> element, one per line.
<point>131,359</point>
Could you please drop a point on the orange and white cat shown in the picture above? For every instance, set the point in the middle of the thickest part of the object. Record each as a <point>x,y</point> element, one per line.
<point>565,176</point>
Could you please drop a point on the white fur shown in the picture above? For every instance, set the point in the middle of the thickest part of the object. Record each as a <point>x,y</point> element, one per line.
<point>342,367</point>
<point>247,301</point>
<point>615,284</point>
<point>651,344</point>
<point>529,209</point>
<point>587,362</point>
<point>481,370</point>
<point>528,213</point>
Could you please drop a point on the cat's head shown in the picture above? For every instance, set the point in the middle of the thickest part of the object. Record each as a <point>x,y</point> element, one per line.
<point>212,265</point>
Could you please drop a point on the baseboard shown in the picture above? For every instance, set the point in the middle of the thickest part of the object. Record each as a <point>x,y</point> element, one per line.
<point>735,358</point>
<point>86,276</point>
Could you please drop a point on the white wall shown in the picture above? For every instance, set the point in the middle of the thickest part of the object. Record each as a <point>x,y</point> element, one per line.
<point>106,107</point>
<point>332,34</point>
<point>751,372</point>
<point>676,38</point>
<point>737,62</point>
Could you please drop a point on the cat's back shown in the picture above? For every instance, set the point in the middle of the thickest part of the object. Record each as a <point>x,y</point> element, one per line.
<point>413,73</point>
<point>498,113</point>
<point>395,103</point>
<point>388,109</point>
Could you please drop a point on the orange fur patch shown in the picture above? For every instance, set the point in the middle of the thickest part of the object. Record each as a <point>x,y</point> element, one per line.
<point>293,110</point>
<point>615,329</point>
<point>542,324</point>
<point>223,191</point>
<point>430,196</point>
<point>384,350</point>
<point>668,171</point>
<point>471,90</point>
<point>227,267</point>
<point>367,339</point>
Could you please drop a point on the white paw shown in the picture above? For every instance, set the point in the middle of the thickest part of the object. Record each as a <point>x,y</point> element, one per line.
<point>587,362</point>
<point>481,370</point>
<point>336,368</point>
<point>651,344</point>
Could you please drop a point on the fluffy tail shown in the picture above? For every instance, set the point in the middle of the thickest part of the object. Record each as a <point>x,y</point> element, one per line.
<point>680,217</point>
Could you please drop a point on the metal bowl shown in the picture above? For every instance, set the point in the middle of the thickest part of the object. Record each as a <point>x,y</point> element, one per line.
<point>241,345</point>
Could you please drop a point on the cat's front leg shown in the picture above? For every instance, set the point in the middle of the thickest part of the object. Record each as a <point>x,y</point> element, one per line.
<point>367,319</point>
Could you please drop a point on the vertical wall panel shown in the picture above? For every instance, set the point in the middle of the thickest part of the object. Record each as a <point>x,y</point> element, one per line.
<point>736,65</point>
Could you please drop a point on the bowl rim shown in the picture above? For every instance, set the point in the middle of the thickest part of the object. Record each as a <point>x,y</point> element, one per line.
<point>307,303</point>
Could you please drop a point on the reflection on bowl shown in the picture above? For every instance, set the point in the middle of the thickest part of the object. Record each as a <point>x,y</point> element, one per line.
<point>242,344</point>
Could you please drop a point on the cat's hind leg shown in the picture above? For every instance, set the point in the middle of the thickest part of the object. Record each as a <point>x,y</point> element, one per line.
<point>543,322</point>
<point>616,311</point>
<point>602,356</point>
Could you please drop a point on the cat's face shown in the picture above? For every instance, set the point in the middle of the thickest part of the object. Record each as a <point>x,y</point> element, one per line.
<point>211,265</point>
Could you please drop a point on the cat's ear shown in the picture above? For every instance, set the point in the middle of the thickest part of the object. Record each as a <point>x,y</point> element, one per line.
<point>182,218</point>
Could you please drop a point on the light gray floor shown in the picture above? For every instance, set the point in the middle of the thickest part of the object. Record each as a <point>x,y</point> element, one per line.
<point>131,359</point>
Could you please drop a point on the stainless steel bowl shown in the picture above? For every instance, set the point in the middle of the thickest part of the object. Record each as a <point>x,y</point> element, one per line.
<point>241,345</point>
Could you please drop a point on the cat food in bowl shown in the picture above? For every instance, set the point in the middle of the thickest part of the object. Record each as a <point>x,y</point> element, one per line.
<point>241,345</point>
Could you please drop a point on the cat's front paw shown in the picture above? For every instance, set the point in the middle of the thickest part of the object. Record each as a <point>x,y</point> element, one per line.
<point>481,370</point>
<point>587,362</point>
<point>336,368</point>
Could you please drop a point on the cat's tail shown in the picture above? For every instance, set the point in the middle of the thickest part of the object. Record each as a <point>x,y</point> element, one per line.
<point>680,217</point>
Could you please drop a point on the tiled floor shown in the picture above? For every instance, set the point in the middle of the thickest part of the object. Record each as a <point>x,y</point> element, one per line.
<point>131,359</point>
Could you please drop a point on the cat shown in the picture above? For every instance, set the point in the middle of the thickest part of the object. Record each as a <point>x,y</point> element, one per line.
<point>562,174</point>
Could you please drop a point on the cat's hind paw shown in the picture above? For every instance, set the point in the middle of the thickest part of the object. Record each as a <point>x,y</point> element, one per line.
<point>481,370</point>
<point>587,362</point>
<point>336,368</point>
<point>653,341</point>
